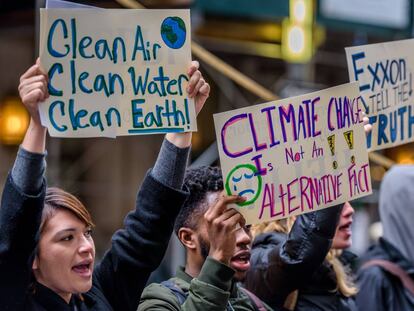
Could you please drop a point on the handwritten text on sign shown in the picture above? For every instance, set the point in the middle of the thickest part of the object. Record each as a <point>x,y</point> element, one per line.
<point>116,72</point>
<point>384,72</point>
<point>295,155</point>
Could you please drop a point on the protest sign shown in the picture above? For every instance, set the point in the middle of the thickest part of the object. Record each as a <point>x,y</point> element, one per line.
<point>295,155</point>
<point>384,72</point>
<point>116,72</point>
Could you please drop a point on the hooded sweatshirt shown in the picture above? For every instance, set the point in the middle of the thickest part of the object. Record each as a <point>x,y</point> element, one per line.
<point>379,290</point>
<point>396,205</point>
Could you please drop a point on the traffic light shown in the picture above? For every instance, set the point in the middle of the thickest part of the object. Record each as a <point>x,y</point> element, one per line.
<point>297,32</point>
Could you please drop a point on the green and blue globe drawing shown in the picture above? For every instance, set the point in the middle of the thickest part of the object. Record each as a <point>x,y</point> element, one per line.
<point>173,32</point>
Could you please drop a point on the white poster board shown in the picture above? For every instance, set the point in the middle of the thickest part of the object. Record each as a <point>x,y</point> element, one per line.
<point>116,72</point>
<point>295,155</point>
<point>384,72</point>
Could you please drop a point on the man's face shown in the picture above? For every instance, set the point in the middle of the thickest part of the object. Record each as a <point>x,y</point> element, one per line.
<point>240,261</point>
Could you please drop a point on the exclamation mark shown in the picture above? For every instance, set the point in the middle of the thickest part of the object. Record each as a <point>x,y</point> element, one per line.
<point>187,113</point>
<point>349,138</point>
<point>331,142</point>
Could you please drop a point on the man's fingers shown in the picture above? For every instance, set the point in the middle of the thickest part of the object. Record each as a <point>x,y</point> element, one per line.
<point>217,209</point>
<point>231,213</point>
<point>225,216</point>
<point>232,222</point>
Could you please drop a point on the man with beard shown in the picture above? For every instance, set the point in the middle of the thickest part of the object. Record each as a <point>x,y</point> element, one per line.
<point>218,253</point>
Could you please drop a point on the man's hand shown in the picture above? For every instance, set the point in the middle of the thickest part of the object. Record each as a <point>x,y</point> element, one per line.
<point>222,224</point>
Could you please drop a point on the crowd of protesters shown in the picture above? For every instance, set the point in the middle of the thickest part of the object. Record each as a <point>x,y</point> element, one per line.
<point>47,253</point>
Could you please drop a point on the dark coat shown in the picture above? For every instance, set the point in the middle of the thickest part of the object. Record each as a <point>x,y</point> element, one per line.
<point>379,290</point>
<point>281,264</point>
<point>120,277</point>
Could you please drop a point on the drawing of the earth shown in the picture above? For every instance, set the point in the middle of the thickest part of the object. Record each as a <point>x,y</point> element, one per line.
<point>173,32</point>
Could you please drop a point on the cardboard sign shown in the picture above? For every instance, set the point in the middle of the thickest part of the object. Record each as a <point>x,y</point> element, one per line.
<point>295,155</point>
<point>116,72</point>
<point>384,72</point>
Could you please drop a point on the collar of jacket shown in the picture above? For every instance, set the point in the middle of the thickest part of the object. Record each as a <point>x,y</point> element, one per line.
<point>349,259</point>
<point>52,301</point>
<point>181,274</point>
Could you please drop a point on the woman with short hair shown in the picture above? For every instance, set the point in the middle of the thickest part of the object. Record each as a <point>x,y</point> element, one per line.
<point>47,252</point>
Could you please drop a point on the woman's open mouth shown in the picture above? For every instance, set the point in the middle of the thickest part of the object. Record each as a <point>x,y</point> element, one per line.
<point>346,228</point>
<point>84,268</point>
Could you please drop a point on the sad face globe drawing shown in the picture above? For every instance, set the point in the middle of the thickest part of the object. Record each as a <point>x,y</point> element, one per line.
<point>243,180</point>
<point>173,32</point>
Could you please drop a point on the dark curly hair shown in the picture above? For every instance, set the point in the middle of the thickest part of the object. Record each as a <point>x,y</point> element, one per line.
<point>199,182</point>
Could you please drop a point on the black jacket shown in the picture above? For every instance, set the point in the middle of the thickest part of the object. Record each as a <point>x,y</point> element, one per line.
<point>281,264</point>
<point>120,277</point>
<point>379,290</point>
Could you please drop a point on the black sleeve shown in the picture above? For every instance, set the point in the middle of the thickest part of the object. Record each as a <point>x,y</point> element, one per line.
<point>278,269</point>
<point>138,249</point>
<point>20,216</point>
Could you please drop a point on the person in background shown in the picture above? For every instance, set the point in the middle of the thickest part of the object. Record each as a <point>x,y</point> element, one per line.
<point>217,253</point>
<point>386,275</point>
<point>47,254</point>
<point>297,263</point>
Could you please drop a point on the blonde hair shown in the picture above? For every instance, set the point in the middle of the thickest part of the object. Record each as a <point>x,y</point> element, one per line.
<point>283,225</point>
<point>345,285</point>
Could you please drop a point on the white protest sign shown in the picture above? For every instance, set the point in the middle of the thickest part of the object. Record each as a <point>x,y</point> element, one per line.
<point>295,155</point>
<point>384,72</point>
<point>116,72</point>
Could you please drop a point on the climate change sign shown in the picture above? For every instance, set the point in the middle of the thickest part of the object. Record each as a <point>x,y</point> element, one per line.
<point>116,72</point>
<point>295,155</point>
<point>385,75</point>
